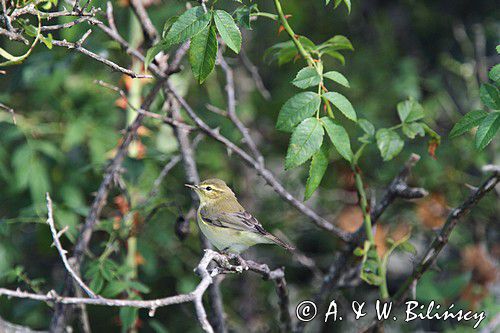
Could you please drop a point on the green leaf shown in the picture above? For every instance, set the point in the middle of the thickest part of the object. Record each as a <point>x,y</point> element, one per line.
<point>337,77</point>
<point>168,25</point>
<point>409,111</point>
<point>339,137</point>
<point>317,169</point>
<point>153,51</point>
<point>38,181</point>
<point>366,126</point>
<point>411,130</point>
<point>228,30</point>
<point>242,15</point>
<point>338,42</point>
<point>128,317</point>
<point>189,24</point>
<point>96,283</point>
<point>305,141</point>
<point>139,286</point>
<point>389,143</point>
<point>494,73</point>
<point>487,130</point>
<point>202,53</point>
<point>296,109</point>
<point>47,40</point>
<point>334,54</point>
<point>408,247</point>
<point>114,288</point>
<point>348,5</point>
<point>490,96</point>
<point>342,103</point>
<point>470,120</point>
<point>306,77</point>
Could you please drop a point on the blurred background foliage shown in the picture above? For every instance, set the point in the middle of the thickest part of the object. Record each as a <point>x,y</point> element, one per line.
<point>68,127</point>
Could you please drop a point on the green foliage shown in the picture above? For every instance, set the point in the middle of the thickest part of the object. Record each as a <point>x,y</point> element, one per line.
<point>339,137</point>
<point>389,143</point>
<point>488,123</point>
<point>188,25</point>
<point>337,77</point>
<point>319,163</point>
<point>202,53</point>
<point>307,77</point>
<point>228,30</point>
<point>296,109</point>
<point>305,141</point>
<point>342,103</point>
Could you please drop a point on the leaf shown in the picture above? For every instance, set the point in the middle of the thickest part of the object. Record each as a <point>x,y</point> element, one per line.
<point>348,5</point>
<point>490,96</point>
<point>487,130</point>
<point>305,141</point>
<point>38,181</point>
<point>339,137</point>
<point>389,143</point>
<point>317,169</point>
<point>408,247</point>
<point>153,51</point>
<point>202,53</point>
<point>411,130</point>
<point>337,77</point>
<point>494,73</point>
<point>338,42</point>
<point>409,111</point>
<point>296,109</point>
<point>342,103</point>
<point>96,283</point>
<point>139,286</point>
<point>470,120</point>
<point>128,317</point>
<point>242,15</point>
<point>306,77</point>
<point>189,24</point>
<point>228,30</point>
<point>114,288</point>
<point>366,126</point>
<point>334,54</point>
<point>168,25</point>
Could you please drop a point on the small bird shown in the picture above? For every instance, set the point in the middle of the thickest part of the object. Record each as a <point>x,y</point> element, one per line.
<point>226,224</point>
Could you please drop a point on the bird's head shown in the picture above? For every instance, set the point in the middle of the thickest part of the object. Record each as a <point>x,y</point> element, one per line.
<point>211,190</point>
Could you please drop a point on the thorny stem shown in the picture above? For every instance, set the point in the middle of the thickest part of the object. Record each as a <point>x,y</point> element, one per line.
<point>367,220</point>
<point>292,35</point>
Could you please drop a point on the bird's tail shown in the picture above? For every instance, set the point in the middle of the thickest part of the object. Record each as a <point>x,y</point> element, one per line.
<point>281,243</point>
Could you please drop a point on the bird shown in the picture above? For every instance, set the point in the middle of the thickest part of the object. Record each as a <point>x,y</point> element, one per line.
<point>224,221</point>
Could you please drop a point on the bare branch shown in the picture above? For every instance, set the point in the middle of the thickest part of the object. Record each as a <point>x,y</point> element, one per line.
<point>255,75</point>
<point>62,252</point>
<point>442,239</point>
<point>231,111</point>
<point>147,26</point>
<point>203,270</point>
<point>77,47</point>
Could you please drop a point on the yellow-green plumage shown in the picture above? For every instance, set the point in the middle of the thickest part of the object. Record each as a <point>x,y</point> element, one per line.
<point>225,223</point>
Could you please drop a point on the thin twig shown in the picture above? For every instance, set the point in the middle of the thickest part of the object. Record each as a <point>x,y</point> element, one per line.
<point>79,48</point>
<point>62,252</point>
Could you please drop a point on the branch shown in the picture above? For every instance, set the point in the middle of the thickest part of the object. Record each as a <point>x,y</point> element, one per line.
<point>147,26</point>
<point>62,252</point>
<point>231,111</point>
<point>61,313</point>
<point>77,47</point>
<point>442,239</point>
<point>223,266</point>
<point>255,75</point>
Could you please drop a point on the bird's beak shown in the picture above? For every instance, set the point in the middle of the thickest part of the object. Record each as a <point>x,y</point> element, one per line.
<point>194,187</point>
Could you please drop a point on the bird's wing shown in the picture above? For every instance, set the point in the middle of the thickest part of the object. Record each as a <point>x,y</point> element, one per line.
<point>243,221</point>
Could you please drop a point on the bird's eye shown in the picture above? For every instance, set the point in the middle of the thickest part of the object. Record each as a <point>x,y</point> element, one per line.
<point>208,188</point>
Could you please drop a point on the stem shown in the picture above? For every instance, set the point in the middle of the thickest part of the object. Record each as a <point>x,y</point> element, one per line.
<point>367,220</point>
<point>290,32</point>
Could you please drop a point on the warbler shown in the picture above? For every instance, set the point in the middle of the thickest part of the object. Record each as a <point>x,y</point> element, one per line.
<point>225,223</point>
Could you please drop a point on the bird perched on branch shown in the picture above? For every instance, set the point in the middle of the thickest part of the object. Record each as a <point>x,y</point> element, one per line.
<point>225,223</point>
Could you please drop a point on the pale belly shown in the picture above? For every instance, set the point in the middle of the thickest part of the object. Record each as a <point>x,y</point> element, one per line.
<point>230,240</point>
